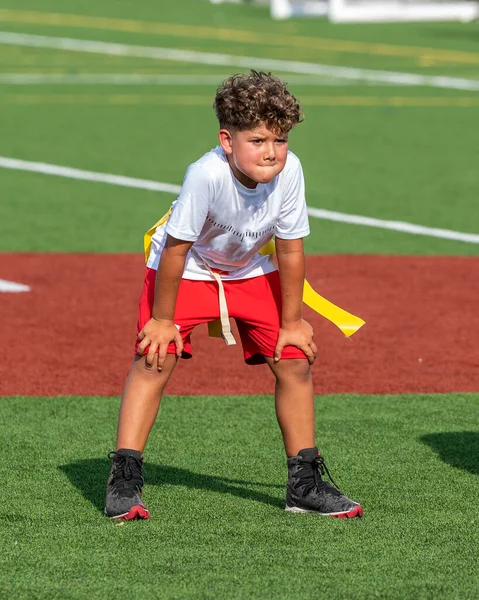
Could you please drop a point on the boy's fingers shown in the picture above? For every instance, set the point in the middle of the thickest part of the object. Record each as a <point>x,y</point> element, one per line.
<point>277,352</point>
<point>310,355</point>
<point>140,336</point>
<point>150,357</point>
<point>179,345</point>
<point>162,351</point>
<point>142,346</point>
<point>314,348</point>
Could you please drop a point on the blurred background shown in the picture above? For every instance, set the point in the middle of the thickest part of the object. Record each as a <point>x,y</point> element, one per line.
<point>120,88</point>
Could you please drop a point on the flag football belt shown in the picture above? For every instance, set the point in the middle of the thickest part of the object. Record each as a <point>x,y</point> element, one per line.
<point>344,320</point>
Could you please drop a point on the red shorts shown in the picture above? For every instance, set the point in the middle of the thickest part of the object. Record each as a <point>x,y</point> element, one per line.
<point>254,303</point>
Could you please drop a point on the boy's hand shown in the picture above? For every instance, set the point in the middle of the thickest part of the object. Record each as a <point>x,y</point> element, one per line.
<point>158,334</point>
<point>299,334</point>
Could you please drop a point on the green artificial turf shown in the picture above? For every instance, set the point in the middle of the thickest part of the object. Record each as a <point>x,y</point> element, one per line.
<point>409,164</point>
<point>254,19</point>
<point>396,162</point>
<point>215,475</point>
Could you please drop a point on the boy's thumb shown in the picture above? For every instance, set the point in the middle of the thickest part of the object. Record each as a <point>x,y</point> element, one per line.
<point>277,353</point>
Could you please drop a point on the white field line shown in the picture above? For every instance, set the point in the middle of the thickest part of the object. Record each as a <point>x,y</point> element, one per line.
<point>12,287</point>
<point>144,79</point>
<point>148,184</point>
<point>47,169</point>
<point>248,62</point>
<point>448,234</point>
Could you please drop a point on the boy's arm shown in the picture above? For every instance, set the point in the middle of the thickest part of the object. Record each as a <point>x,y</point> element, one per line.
<point>168,278</point>
<point>160,329</point>
<point>294,330</point>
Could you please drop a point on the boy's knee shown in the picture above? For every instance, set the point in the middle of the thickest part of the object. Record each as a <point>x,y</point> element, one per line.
<point>294,369</point>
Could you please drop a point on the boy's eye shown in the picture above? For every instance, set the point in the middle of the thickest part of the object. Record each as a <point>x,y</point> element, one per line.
<point>257,142</point>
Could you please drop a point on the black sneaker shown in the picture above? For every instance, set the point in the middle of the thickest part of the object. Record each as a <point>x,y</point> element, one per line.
<point>123,490</point>
<point>307,492</point>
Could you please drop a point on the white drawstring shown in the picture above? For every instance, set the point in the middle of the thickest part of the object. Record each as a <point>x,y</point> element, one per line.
<point>226,332</point>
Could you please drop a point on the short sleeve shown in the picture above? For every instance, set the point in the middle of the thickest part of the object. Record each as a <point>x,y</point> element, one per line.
<point>191,208</point>
<point>293,220</point>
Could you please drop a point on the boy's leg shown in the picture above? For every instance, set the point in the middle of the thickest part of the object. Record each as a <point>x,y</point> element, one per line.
<point>140,402</point>
<point>294,402</point>
<point>306,491</point>
<point>256,305</point>
<point>139,407</point>
<point>143,391</point>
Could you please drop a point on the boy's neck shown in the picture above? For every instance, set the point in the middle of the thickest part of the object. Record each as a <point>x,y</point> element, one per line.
<point>241,177</point>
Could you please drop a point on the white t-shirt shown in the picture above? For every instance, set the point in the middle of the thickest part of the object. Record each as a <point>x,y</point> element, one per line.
<point>228,222</point>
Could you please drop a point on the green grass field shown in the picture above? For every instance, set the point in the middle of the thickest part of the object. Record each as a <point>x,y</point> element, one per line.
<point>214,465</point>
<point>216,492</point>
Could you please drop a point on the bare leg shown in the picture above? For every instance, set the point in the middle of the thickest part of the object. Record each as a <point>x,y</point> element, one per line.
<point>294,401</point>
<point>140,402</point>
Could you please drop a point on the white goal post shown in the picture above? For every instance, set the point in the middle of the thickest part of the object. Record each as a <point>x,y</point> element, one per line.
<point>371,11</point>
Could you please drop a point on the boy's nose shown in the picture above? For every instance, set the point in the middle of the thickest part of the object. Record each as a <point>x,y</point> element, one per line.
<point>269,152</point>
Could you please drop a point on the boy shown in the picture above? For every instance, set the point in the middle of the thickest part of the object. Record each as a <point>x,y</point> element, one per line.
<point>205,262</point>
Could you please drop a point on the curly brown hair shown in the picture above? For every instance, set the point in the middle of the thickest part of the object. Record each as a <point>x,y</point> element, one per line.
<point>247,101</point>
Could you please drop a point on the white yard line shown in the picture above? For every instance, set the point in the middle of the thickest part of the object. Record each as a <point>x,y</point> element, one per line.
<point>248,62</point>
<point>448,234</point>
<point>148,184</point>
<point>147,79</point>
<point>48,169</point>
<point>12,287</point>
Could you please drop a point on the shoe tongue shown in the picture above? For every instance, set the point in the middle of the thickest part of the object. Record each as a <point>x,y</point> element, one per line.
<point>127,452</point>
<point>308,454</point>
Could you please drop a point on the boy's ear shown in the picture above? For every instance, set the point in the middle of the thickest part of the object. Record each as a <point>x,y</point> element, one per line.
<point>226,140</point>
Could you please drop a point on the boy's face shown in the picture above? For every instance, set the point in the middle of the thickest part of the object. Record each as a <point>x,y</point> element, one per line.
<point>255,155</point>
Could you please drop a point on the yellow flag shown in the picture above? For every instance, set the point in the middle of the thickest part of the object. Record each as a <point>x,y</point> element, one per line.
<point>149,234</point>
<point>346,322</point>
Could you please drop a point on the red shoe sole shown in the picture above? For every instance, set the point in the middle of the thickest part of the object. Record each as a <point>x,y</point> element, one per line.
<point>356,512</point>
<point>136,512</point>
